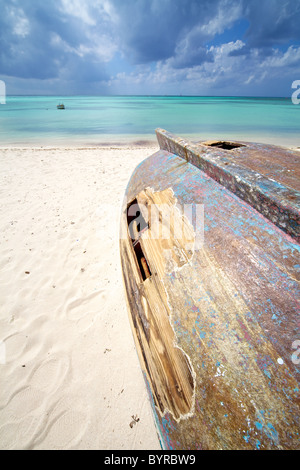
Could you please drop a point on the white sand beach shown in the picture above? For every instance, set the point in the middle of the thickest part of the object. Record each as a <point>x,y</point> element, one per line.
<point>70,376</point>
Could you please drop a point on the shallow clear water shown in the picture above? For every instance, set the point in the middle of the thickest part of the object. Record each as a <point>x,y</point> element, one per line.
<point>35,120</point>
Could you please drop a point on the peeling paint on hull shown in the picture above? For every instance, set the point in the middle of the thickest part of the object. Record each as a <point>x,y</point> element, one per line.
<point>265,176</point>
<point>234,313</point>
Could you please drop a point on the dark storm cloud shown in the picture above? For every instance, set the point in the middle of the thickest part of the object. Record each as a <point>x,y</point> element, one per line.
<point>39,40</point>
<point>77,39</point>
<point>144,31</point>
<point>195,56</point>
<point>152,29</point>
<point>272,22</point>
<point>26,50</point>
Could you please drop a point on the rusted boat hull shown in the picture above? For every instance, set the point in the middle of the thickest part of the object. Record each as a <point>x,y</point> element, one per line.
<point>214,310</point>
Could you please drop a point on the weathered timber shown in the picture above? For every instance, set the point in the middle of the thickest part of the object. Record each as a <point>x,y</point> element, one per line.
<point>215,323</point>
<point>265,176</point>
<point>169,370</point>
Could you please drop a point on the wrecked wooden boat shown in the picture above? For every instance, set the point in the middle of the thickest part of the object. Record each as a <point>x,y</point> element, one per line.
<point>210,257</point>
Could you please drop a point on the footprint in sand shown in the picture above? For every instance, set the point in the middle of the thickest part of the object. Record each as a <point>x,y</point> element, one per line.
<point>65,429</point>
<point>14,432</point>
<point>77,309</point>
<point>49,375</point>
<point>15,345</point>
<point>46,378</point>
<point>22,403</point>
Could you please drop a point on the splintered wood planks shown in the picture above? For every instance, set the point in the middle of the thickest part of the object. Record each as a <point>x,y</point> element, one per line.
<point>215,322</point>
<point>168,368</point>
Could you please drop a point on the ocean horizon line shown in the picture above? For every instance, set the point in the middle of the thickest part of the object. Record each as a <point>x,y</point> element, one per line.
<point>149,96</point>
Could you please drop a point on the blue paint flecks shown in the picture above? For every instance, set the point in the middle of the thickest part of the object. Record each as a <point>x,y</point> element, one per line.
<point>274,433</point>
<point>258,425</point>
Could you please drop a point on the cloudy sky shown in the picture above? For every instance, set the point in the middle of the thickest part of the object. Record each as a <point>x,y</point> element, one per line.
<point>188,47</point>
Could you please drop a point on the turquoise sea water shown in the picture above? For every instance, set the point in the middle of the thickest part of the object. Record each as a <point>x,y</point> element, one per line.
<point>93,120</point>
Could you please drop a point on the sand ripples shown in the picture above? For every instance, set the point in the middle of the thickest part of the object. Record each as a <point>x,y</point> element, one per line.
<point>71,377</point>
